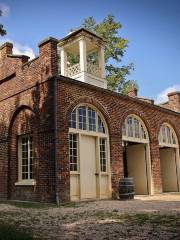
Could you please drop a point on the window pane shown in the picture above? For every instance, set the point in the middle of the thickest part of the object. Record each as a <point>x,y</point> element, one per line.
<point>101,127</point>
<point>82,118</point>
<point>166,135</point>
<point>130,126</point>
<point>73,152</point>
<point>103,154</point>
<point>136,128</point>
<point>73,119</point>
<point>92,119</point>
<point>124,129</point>
<point>27,157</point>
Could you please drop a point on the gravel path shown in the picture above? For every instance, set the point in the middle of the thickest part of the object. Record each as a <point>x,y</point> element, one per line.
<point>146,217</point>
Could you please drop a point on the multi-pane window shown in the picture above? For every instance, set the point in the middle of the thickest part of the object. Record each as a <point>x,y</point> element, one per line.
<point>101,127</point>
<point>166,136</point>
<point>26,157</point>
<point>82,118</point>
<point>73,119</point>
<point>92,119</point>
<point>137,129</point>
<point>130,126</point>
<point>133,128</point>
<point>73,152</point>
<point>103,154</point>
<point>86,118</point>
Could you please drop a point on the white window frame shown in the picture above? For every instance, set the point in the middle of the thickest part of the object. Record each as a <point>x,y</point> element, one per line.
<point>77,151</point>
<point>96,133</point>
<point>167,142</point>
<point>106,155</point>
<point>87,106</point>
<point>142,130</point>
<point>22,181</point>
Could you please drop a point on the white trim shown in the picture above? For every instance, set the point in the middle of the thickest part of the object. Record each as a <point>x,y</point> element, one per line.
<point>85,132</point>
<point>141,125</point>
<point>97,135</point>
<point>25,183</point>
<point>98,113</point>
<point>147,147</point>
<point>172,134</point>
<point>132,139</point>
<point>21,181</point>
<point>171,145</point>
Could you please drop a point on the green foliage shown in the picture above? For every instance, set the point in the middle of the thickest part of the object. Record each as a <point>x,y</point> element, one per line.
<point>8,232</point>
<point>2,30</point>
<point>116,47</point>
<point>20,204</point>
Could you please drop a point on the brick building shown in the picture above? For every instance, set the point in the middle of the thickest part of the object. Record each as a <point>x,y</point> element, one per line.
<point>64,136</point>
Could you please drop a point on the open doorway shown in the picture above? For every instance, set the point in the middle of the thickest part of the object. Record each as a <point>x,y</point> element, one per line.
<point>136,154</point>
<point>169,158</point>
<point>135,166</point>
<point>168,169</point>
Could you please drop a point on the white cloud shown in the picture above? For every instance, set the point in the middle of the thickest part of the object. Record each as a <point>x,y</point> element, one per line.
<point>5,9</point>
<point>20,49</point>
<point>162,96</point>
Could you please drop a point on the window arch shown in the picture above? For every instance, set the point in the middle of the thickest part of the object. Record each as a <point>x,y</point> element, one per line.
<point>134,129</point>
<point>167,136</point>
<point>87,118</point>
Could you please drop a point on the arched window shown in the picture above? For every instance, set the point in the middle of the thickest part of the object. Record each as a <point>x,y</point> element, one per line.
<point>133,128</point>
<point>87,118</point>
<point>167,136</point>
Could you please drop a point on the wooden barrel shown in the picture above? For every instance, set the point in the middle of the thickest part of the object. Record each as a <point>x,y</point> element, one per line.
<point>126,188</point>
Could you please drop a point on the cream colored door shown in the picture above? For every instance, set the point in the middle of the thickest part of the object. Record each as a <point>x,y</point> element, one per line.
<point>136,161</point>
<point>168,169</point>
<point>88,167</point>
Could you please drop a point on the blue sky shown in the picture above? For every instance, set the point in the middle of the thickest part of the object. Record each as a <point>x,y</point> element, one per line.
<point>151,26</point>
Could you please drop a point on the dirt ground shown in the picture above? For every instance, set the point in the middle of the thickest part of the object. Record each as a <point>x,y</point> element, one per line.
<point>146,217</point>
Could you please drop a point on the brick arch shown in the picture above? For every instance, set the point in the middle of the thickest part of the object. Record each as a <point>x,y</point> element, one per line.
<point>172,124</point>
<point>95,103</point>
<point>22,122</point>
<point>15,114</point>
<point>139,114</point>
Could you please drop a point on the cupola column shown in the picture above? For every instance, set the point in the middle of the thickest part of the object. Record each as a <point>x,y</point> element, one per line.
<point>101,61</point>
<point>63,62</point>
<point>83,55</point>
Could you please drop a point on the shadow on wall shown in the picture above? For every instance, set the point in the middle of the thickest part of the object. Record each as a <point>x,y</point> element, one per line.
<point>35,119</point>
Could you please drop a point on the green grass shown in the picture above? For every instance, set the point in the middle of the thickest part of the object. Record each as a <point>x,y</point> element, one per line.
<point>71,205</point>
<point>21,204</point>
<point>8,232</point>
<point>154,219</point>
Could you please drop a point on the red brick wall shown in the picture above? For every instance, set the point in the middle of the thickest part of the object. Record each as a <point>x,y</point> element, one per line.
<point>115,109</point>
<point>27,89</point>
<point>26,86</point>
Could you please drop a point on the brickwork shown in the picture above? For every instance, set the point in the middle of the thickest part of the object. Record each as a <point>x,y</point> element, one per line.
<point>115,109</point>
<point>34,100</point>
<point>173,102</point>
<point>27,87</point>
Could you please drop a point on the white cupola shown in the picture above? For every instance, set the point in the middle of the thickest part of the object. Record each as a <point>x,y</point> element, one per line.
<point>82,57</point>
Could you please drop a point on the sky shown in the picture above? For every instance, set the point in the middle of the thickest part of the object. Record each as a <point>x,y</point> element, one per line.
<point>152,28</point>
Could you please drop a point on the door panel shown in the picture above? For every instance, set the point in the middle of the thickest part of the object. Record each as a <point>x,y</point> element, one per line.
<point>88,167</point>
<point>168,169</point>
<point>136,162</point>
<point>104,186</point>
<point>74,187</point>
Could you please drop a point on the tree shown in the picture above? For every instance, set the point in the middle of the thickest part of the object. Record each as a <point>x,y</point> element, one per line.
<point>2,30</point>
<point>116,47</point>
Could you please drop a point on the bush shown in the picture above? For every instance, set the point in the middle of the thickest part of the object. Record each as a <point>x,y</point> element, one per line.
<point>8,232</point>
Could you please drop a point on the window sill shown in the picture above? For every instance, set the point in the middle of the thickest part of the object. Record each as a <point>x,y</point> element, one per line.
<point>74,173</point>
<point>26,183</point>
